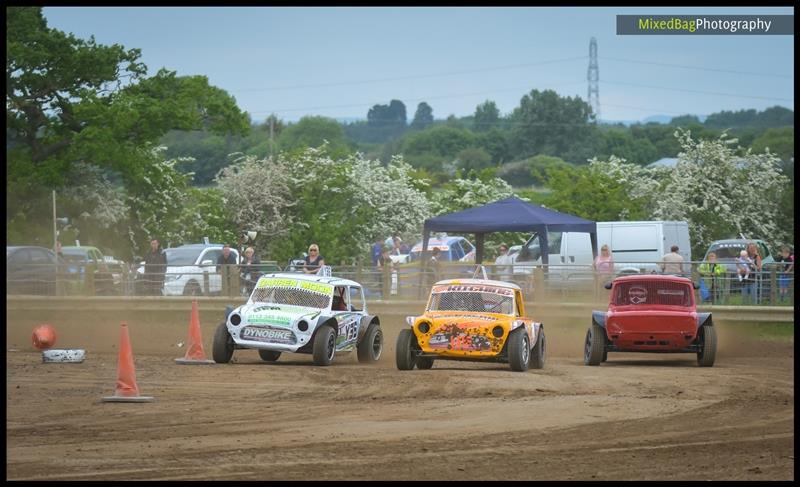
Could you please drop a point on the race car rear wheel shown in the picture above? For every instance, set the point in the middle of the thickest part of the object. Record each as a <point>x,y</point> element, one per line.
<point>519,350</point>
<point>406,350</point>
<point>269,355</point>
<point>424,363</point>
<point>708,340</point>
<point>371,346</point>
<point>594,346</point>
<point>539,351</point>
<point>324,346</point>
<point>222,349</point>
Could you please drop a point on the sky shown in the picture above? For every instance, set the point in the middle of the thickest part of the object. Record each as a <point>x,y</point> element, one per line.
<point>340,61</point>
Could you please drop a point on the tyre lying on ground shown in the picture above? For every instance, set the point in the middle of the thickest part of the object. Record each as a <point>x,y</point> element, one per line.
<point>297,313</point>
<point>478,320</point>
<point>651,313</point>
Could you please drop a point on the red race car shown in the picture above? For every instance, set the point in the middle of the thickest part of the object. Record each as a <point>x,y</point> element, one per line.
<point>651,313</point>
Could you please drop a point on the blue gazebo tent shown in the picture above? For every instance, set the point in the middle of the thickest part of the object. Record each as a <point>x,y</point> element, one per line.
<point>508,215</point>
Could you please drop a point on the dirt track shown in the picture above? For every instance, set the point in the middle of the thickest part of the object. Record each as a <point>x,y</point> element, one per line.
<point>635,417</point>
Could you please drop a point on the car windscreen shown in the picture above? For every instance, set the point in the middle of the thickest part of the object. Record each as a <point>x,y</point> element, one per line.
<point>646,293</point>
<point>74,256</point>
<point>293,292</point>
<point>478,298</point>
<point>182,256</point>
<point>726,251</point>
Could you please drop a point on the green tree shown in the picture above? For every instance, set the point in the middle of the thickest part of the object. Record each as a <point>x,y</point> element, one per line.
<point>546,123</point>
<point>473,159</point>
<point>72,101</point>
<point>423,118</point>
<point>487,116</point>
<point>594,192</point>
<point>312,131</point>
<point>779,141</point>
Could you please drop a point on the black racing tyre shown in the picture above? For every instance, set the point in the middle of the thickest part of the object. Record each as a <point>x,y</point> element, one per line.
<point>269,355</point>
<point>708,344</point>
<point>539,351</point>
<point>594,346</point>
<point>424,363</point>
<point>192,288</point>
<point>519,350</point>
<point>406,350</point>
<point>371,346</point>
<point>222,349</point>
<point>324,346</point>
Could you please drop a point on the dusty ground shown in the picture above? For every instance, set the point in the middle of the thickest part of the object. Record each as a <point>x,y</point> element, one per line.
<point>636,417</point>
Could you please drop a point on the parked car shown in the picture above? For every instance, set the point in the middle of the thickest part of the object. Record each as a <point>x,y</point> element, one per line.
<point>298,313</point>
<point>475,320</point>
<point>186,266</point>
<point>81,258</point>
<point>651,313</point>
<point>31,270</point>
<point>117,268</point>
<point>453,249</point>
<point>728,250</point>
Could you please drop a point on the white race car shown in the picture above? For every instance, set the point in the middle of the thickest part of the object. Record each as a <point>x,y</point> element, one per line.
<point>301,313</point>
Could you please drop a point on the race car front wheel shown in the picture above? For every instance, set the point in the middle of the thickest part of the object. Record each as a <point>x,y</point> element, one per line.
<point>371,346</point>
<point>406,350</point>
<point>519,350</point>
<point>324,346</point>
<point>222,350</point>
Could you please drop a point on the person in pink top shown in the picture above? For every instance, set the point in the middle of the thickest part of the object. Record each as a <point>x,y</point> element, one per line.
<point>604,263</point>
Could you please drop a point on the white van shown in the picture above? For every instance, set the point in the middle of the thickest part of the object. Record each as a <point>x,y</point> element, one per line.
<point>637,247</point>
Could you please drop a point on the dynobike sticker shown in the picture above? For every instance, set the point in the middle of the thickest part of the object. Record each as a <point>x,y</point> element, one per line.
<point>268,334</point>
<point>317,287</point>
<point>475,288</point>
<point>467,317</point>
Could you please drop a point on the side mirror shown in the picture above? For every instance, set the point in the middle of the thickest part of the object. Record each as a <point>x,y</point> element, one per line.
<point>608,285</point>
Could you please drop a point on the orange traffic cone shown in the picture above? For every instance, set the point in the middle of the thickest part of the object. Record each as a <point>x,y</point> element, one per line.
<point>194,348</point>
<point>127,390</point>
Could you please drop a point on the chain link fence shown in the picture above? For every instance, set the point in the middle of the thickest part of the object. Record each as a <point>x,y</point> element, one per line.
<point>554,283</point>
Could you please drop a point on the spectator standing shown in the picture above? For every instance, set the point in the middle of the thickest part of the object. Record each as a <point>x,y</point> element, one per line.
<point>672,263</point>
<point>755,256</point>
<point>377,247</point>
<point>226,258</point>
<point>313,261</point>
<point>746,270</point>
<point>786,257</point>
<point>604,263</point>
<point>396,241</point>
<point>503,263</point>
<point>712,273</point>
<point>155,266</point>
<point>250,270</point>
<point>385,260</point>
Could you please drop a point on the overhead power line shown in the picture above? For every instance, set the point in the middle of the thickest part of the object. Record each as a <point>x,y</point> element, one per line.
<point>699,68</point>
<point>425,98</point>
<point>702,92</point>
<point>414,76</point>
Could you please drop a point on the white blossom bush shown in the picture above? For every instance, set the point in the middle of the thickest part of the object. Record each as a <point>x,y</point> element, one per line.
<point>461,194</point>
<point>721,194</point>
<point>257,195</point>
<point>97,201</point>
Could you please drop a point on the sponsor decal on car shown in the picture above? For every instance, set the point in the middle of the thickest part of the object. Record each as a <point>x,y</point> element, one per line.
<point>464,338</point>
<point>637,294</point>
<point>468,317</point>
<point>477,288</point>
<point>270,319</point>
<point>318,287</point>
<point>268,335</point>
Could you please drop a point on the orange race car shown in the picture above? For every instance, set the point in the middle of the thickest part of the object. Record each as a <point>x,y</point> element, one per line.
<point>472,319</point>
